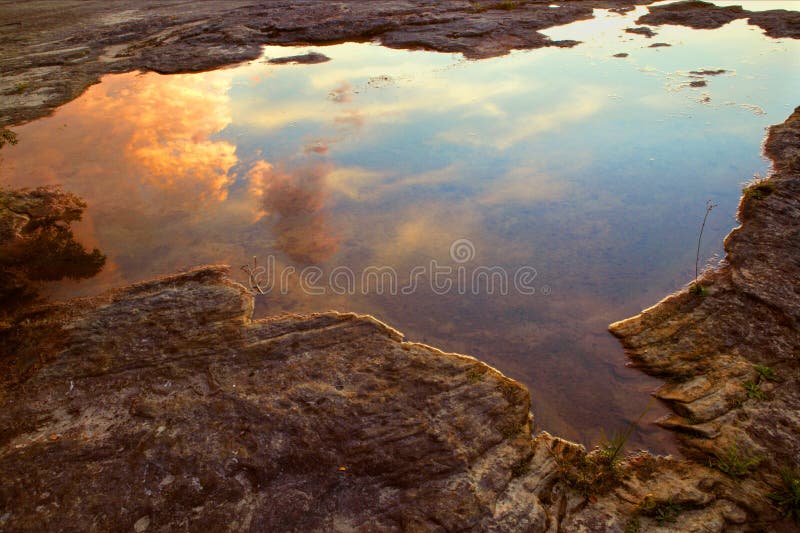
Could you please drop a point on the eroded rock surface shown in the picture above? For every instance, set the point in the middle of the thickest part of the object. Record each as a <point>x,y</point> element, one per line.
<point>731,353</point>
<point>165,402</point>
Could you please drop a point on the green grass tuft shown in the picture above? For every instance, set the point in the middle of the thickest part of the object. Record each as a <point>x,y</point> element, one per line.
<point>506,6</point>
<point>633,525</point>
<point>474,376</point>
<point>663,512</point>
<point>766,372</point>
<point>734,462</point>
<point>788,498</point>
<point>759,189</point>
<point>698,290</point>
<point>754,391</point>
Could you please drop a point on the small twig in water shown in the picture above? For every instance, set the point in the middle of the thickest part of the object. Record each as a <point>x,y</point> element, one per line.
<point>251,273</point>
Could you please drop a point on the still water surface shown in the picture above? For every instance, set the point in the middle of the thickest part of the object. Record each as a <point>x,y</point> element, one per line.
<point>590,169</point>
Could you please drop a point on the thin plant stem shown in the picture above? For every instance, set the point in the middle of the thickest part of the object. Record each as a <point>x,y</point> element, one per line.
<point>709,207</point>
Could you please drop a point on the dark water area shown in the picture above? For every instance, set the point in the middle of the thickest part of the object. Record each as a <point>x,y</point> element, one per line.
<point>349,184</point>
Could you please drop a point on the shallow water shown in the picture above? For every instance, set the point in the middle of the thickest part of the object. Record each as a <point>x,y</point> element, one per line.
<point>590,171</point>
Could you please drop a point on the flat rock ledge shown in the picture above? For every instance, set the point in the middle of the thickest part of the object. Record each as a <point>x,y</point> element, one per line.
<point>730,352</point>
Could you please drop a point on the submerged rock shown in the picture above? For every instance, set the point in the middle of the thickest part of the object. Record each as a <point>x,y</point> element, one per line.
<point>311,58</point>
<point>642,30</point>
<point>708,72</point>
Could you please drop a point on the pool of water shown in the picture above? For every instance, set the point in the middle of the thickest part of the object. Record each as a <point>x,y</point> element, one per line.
<point>357,183</point>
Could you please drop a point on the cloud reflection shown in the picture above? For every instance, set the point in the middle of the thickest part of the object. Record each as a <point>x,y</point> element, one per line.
<point>293,204</point>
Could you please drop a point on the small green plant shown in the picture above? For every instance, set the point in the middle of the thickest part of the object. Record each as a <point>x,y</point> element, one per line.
<point>759,189</point>
<point>611,448</point>
<point>506,6</point>
<point>765,372</point>
<point>788,498</point>
<point>734,462</point>
<point>520,468</point>
<point>665,511</point>
<point>21,87</point>
<point>754,391</point>
<point>696,288</point>
<point>479,7</point>
<point>474,376</point>
<point>633,525</point>
<point>7,137</point>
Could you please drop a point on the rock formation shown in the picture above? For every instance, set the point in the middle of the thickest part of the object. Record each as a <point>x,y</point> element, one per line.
<point>163,406</point>
<point>705,15</point>
<point>729,349</point>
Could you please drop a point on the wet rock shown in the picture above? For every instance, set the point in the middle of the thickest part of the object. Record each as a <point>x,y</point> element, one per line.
<point>621,54</point>
<point>659,45</point>
<point>692,13</point>
<point>708,72</point>
<point>311,58</point>
<point>777,23</point>
<point>641,30</point>
<point>698,83</point>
